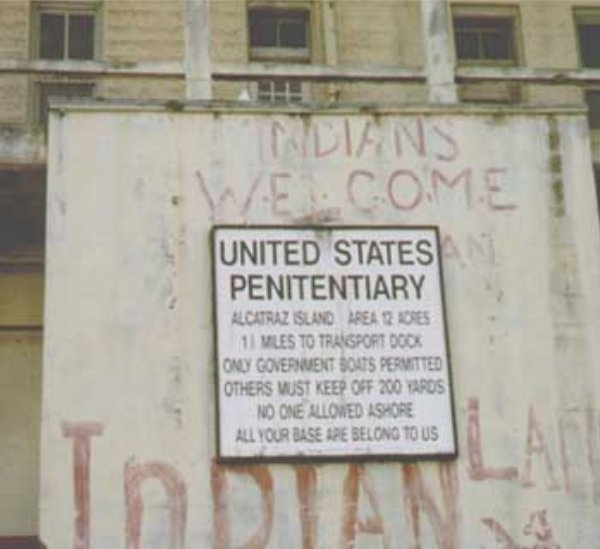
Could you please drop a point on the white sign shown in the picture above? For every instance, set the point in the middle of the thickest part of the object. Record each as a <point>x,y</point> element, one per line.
<point>331,343</point>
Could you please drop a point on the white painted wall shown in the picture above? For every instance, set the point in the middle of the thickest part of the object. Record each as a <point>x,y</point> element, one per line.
<point>128,360</point>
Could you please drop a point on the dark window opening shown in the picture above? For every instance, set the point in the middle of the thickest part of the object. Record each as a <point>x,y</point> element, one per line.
<point>484,38</point>
<point>52,36</point>
<point>81,37</point>
<point>278,28</point>
<point>22,213</point>
<point>66,36</point>
<point>592,99</point>
<point>589,44</point>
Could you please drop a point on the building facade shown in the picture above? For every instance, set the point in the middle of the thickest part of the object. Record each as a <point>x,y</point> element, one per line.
<point>382,53</point>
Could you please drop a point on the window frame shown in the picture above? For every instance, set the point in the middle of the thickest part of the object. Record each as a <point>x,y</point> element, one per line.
<point>587,15</point>
<point>510,13</point>
<point>66,9</point>
<point>281,53</point>
<point>582,16</point>
<point>304,91</point>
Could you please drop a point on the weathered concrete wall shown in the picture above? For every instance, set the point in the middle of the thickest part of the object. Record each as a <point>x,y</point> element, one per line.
<point>128,443</point>
<point>382,34</point>
<point>137,30</point>
<point>20,382</point>
<point>396,44</point>
<point>14,43</point>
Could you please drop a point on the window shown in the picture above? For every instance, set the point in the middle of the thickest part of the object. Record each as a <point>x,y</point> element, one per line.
<point>67,32</point>
<point>59,90</point>
<point>588,34</point>
<point>279,35</point>
<point>487,36</point>
<point>484,38</point>
<point>280,91</point>
<point>589,39</point>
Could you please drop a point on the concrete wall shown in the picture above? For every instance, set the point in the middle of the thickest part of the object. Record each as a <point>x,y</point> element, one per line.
<point>128,441</point>
<point>20,384</point>
<point>141,31</point>
<point>14,43</point>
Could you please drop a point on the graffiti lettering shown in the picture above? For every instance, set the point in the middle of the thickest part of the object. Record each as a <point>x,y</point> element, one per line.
<point>134,475</point>
<point>81,433</point>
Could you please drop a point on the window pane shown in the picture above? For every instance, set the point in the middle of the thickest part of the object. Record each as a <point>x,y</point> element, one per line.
<point>279,90</point>
<point>467,45</point>
<point>81,36</point>
<point>278,28</point>
<point>52,36</point>
<point>496,45</point>
<point>589,44</point>
<point>295,91</point>
<point>265,90</point>
<point>292,32</point>
<point>485,38</point>
<point>263,29</point>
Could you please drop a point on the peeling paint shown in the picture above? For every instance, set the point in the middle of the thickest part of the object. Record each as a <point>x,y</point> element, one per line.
<point>528,423</point>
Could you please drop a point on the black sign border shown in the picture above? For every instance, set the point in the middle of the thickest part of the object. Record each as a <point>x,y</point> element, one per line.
<point>338,458</point>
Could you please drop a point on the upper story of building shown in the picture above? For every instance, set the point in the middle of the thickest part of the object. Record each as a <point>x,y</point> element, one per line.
<point>521,52</point>
<point>532,52</point>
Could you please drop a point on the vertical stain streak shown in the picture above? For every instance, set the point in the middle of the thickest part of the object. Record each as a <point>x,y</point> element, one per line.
<point>592,435</point>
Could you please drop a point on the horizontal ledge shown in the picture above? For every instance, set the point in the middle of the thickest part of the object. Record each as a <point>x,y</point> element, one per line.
<point>318,73</point>
<point>252,107</point>
<point>296,71</point>
<point>167,69</point>
<point>527,75</point>
<point>20,328</point>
